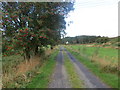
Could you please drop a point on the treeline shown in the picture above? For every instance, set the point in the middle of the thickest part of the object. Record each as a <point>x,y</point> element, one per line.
<point>84,39</point>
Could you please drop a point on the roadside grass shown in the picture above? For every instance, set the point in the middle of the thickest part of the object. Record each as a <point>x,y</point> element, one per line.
<point>17,73</point>
<point>11,62</point>
<point>43,78</point>
<point>107,58</point>
<point>109,78</point>
<point>72,74</point>
<point>9,67</point>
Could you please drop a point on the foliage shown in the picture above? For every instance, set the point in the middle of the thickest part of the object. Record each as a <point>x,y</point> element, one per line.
<point>102,40</point>
<point>98,40</point>
<point>29,25</point>
<point>80,39</point>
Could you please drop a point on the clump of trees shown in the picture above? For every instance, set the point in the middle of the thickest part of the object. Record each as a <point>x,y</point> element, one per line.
<point>84,39</point>
<point>28,26</point>
<point>102,40</point>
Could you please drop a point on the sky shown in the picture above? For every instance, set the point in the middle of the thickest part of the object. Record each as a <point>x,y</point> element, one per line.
<point>94,17</point>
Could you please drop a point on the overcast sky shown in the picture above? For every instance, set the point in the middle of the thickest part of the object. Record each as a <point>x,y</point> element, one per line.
<point>94,17</point>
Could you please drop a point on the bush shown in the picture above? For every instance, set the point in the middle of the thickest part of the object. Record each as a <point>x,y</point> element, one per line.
<point>102,40</point>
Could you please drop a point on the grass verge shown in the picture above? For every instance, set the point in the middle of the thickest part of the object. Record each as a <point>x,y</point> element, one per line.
<point>42,79</point>
<point>72,74</point>
<point>109,78</point>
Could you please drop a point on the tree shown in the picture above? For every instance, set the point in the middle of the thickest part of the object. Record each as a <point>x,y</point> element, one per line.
<point>32,25</point>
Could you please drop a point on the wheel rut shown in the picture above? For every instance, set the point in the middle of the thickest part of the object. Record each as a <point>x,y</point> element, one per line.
<point>59,77</point>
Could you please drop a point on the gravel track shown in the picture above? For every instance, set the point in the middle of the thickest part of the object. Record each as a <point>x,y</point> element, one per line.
<point>60,79</point>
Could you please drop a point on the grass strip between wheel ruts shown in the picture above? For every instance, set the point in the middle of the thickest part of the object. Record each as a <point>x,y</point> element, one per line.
<point>72,74</point>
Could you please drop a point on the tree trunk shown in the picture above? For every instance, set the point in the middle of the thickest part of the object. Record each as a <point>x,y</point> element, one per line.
<point>27,54</point>
<point>36,50</point>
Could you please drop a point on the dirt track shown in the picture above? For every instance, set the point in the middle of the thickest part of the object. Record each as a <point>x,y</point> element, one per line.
<point>59,77</point>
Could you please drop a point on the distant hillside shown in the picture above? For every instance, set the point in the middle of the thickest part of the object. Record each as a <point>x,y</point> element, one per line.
<point>84,39</point>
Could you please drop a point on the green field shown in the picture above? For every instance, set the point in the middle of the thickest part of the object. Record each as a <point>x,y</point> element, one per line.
<point>107,53</point>
<point>101,61</point>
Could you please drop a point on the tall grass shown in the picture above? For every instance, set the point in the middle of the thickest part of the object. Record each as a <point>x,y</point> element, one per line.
<point>43,78</point>
<point>9,67</point>
<point>17,72</point>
